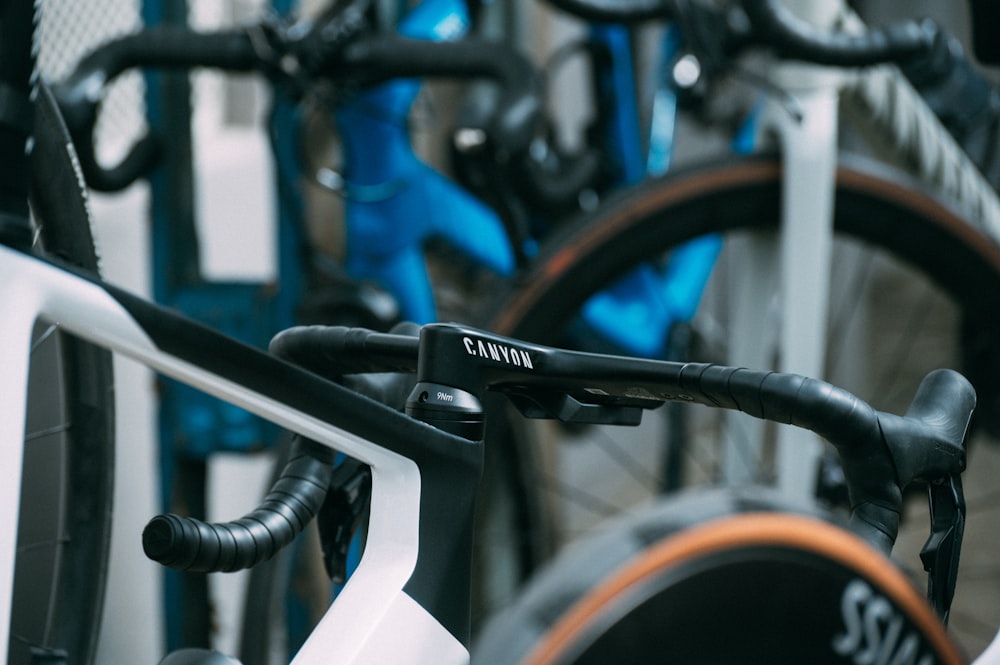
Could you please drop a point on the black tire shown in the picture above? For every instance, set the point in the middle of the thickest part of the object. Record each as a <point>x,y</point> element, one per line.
<point>950,270</point>
<point>65,509</point>
<point>718,576</point>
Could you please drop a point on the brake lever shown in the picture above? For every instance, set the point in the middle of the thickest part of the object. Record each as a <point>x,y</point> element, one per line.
<point>940,554</point>
<point>342,515</point>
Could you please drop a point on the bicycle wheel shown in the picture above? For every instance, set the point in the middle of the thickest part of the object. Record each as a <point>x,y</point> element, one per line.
<point>716,578</point>
<point>917,286</point>
<point>65,509</point>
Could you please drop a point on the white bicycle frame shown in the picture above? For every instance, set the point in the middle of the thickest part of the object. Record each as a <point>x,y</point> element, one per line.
<point>374,620</point>
<point>799,261</point>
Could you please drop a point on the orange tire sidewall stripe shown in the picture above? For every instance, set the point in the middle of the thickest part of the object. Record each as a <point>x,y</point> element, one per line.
<point>749,530</point>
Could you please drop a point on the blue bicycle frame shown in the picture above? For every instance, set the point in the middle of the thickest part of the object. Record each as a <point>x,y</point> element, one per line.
<point>394,201</point>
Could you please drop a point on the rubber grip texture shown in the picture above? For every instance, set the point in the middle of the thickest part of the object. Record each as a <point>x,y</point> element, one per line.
<point>190,544</point>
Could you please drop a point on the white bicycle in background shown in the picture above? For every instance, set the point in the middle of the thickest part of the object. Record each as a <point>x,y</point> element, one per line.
<point>867,269</point>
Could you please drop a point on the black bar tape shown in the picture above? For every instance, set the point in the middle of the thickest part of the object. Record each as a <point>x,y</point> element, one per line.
<point>334,351</point>
<point>519,109</point>
<point>168,47</point>
<point>882,453</point>
<point>617,11</point>
<point>189,544</point>
<point>774,25</point>
<point>164,47</point>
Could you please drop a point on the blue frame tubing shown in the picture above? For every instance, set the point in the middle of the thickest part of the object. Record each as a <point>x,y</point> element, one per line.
<point>617,81</point>
<point>395,202</point>
<point>637,314</point>
<point>387,182</point>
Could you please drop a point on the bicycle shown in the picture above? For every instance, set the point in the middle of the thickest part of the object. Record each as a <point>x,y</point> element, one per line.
<point>708,194</point>
<point>369,202</point>
<point>376,58</point>
<point>889,228</point>
<point>408,577</point>
<point>407,601</point>
<point>566,275</point>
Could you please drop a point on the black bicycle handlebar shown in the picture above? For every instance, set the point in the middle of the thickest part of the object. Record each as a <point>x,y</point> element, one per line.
<point>519,109</point>
<point>185,543</point>
<point>618,11</point>
<point>773,24</point>
<point>769,23</point>
<point>367,60</point>
<point>336,351</point>
<point>80,94</point>
<point>882,453</point>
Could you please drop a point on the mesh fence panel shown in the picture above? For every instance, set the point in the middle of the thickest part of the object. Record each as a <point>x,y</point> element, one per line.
<point>68,30</point>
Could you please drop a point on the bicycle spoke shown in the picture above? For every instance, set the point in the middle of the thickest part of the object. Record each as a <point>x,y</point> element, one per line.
<point>622,456</point>
<point>49,431</point>
<point>46,335</point>
<point>27,547</point>
<point>579,497</point>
